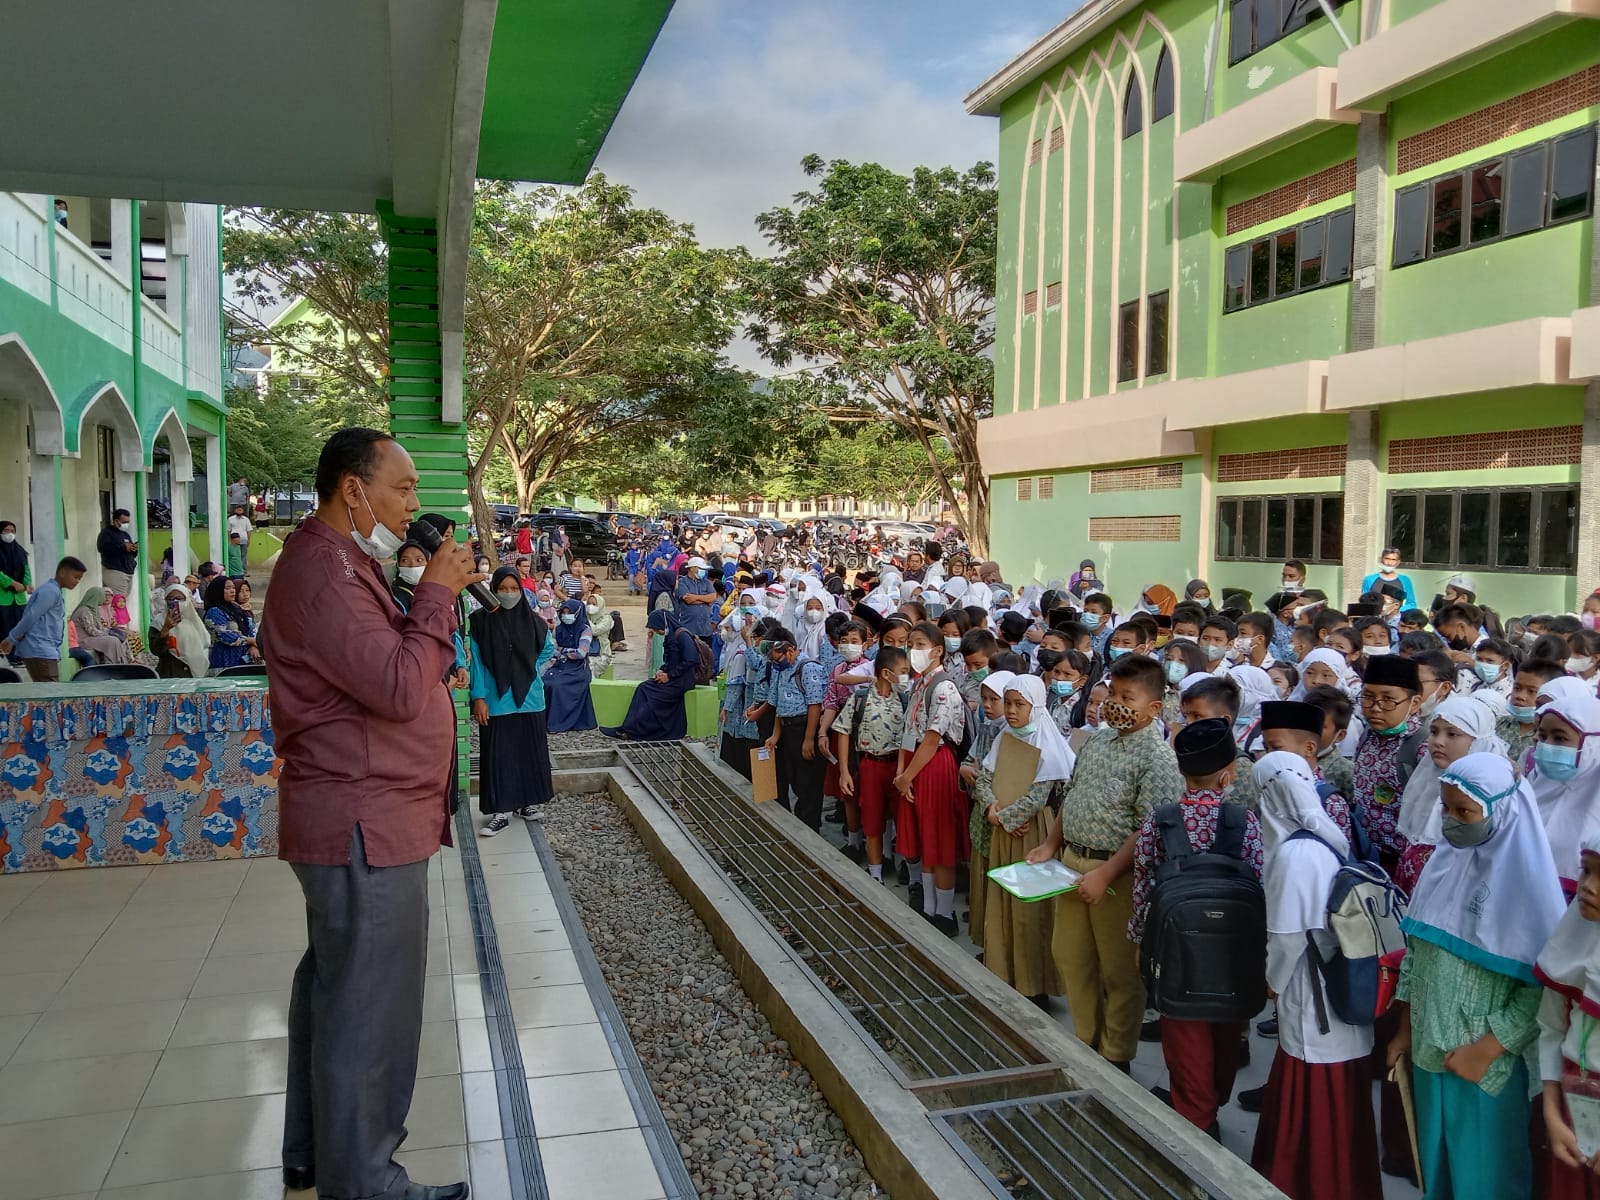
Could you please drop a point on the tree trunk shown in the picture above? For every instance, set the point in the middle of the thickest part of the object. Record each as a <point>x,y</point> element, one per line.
<point>978,516</point>
<point>482,515</point>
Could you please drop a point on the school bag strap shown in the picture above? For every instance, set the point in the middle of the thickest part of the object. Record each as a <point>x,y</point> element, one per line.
<point>1232,824</point>
<point>1174,834</point>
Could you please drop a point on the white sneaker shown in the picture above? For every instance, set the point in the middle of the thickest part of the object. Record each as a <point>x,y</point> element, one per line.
<point>497,824</point>
<point>531,812</point>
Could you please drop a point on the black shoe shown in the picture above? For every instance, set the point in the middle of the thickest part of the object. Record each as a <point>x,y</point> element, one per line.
<point>1041,1001</point>
<point>299,1179</point>
<point>1150,1031</point>
<point>438,1191</point>
<point>1399,1167</point>
<point>914,895</point>
<point>836,817</point>
<point>1251,1100</point>
<point>613,731</point>
<point>1268,1028</point>
<point>945,925</point>
<point>1162,1094</point>
<point>1125,1067</point>
<point>856,854</point>
<point>903,874</point>
<point>1214,1132</point>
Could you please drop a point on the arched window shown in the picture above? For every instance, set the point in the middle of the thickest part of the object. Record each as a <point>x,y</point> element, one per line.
<point>1161,93</point>
<point>1132,107</point>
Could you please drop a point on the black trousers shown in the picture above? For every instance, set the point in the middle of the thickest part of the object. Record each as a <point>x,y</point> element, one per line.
<point>355,1023</point>
<point>804,775</point>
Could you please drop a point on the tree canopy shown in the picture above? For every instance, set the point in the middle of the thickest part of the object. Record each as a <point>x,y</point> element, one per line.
<point>884,284</point>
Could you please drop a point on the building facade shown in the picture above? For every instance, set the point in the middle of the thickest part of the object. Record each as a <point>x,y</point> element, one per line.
<point>1300,278</point>
<point>110,373</point>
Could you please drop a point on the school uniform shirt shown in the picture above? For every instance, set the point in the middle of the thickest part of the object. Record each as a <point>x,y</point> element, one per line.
<point>798,688</point>
<point>1244,789</point>
<point>757,678</point>
<point>1282,645</point>
<point>1454,1001</point>
<point>734,699</point>
<point>1562,1026</point>
<point>838,695</point>
<point>883,722</point>
<point>1519,742</point>
<point>938,710</point>
<point>1202,811</point>
<point>1299,1035</point>
<point>1379,785</point>
<point>43,626</point>
<point>1118,779</point>
<point>1336,769</point>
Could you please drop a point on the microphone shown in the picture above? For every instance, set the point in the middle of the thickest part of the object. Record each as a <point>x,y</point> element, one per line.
<point>429,538</point>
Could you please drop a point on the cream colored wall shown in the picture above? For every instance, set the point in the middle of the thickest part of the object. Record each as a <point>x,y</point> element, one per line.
<point>14,466</point>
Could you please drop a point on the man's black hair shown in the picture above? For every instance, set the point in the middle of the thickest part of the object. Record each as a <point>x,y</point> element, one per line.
<point>1221,622</point>
<point>352,451</point>
<point>1334,701</point>
<point>932,550</point>
<point>1262,623</point>
<point>1143,672</point>
<point>121,512</point>
<point>890,658</point>
<point>1439,663</point>
<point>71,564</point>
<point>1220,688</point>
<point>1101,599</point>
<point>1008,660</point>
<point>975,641</point>
<point>1418,641</point>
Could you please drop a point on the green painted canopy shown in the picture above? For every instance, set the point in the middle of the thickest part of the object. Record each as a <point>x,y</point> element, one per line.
<point>559,71</point>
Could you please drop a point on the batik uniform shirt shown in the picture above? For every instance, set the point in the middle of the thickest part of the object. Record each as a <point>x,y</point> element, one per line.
<point>1012,818</point>
<point>1281,647</point>
<point>1117,781</point>
<point>1337,806</point>
<point>757,685</point>
<point>1202,810</point>
<point>883,722</point>
<point>734,700</point>
<point>1244,789</point>
<point>1519,742</point>
<point>1379,785</point>
<point>798,688</point>
<point>1336,769</point>
<point>1454,1002</point>
<point>935,710</point>
<point>1060,709</point>
<point>838,695</point>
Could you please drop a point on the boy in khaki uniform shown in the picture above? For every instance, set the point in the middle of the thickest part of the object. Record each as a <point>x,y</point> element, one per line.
<point>1122,772</point>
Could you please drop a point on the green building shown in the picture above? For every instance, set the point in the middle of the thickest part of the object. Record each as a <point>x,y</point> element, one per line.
<point>1300,278</point>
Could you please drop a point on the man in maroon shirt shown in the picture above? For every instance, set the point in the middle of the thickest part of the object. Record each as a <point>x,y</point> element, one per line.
<point>364,726</point>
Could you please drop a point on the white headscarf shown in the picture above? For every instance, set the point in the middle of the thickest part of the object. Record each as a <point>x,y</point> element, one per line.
<point>1299,871</point>
<point>1497,903</point>
<point>1255,686</point>
<point>810,637</point>
<point>1421,818</point>
<point>1568,805</point>
<point>1334,661</point>
<point>996,681</point>
<point>1570,961</point>
<point>1056,758</point>
<point>956,588</point>
<point>194,641</point>
<point>1563,687</point>
<point>979,595</point>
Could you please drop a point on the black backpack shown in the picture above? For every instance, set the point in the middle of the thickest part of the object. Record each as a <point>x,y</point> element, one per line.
<point>1204,953</point>
<point>705,669</point>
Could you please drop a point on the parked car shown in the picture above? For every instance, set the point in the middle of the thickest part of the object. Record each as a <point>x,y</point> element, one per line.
<point>505,515</point>
<point>591,540</point>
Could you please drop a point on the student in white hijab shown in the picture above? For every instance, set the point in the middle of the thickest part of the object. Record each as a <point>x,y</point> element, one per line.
<point>1316,1136</point>
<point>1487,902</point>
<point>1017,935</point>
<point>1332,660</point>
<point>1463,724</point>
<point>1569,1011</point>
<point>1255,688</point>
<point>1566,776</point>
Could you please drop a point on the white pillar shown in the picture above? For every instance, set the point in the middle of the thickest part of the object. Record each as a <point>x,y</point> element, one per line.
<point>45,507</point>
<point>216,514</point>
<point>180,527</point>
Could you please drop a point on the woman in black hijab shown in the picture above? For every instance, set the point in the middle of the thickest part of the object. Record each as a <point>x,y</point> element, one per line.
<point>510,646</point>
<point>16,576</point>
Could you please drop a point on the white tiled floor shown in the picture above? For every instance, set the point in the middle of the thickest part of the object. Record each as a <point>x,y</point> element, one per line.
<point>143,1014</point>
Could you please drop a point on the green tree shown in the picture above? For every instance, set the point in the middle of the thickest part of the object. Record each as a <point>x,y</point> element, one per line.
<point>885,283</point>
<point>274,440</point>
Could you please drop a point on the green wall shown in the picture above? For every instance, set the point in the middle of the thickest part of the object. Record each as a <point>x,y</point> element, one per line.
<point>1317,45</point>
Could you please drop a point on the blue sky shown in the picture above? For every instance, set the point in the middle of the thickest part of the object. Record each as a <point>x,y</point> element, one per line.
<point>737,91</point>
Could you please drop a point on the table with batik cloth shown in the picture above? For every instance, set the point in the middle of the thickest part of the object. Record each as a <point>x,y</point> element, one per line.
<point>123,773</point>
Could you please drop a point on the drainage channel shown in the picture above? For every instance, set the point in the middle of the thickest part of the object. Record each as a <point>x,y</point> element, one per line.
<point>998,1100</point>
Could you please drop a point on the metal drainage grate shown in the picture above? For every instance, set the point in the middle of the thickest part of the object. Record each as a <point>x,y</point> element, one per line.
<point>930,1031</point>
<point>1073,1146</point>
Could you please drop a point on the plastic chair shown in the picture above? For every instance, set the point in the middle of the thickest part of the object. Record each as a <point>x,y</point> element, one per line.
<point>105,672</point>
<point>243,670</point>
<point>7,675</point>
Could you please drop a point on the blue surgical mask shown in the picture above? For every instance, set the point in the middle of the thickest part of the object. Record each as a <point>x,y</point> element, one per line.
<point>568,618</point>
<point>1090,621</point>
<point>1063,687</point>
<point>952,645</point>
<point>1117,652</point>
<point>1555,762</point>
<point>1176,670</point>
<point>1523,715</point>
<point>1488,672</point>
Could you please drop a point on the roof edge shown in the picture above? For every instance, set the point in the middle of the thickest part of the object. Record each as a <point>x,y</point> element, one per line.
<point>985,99</point>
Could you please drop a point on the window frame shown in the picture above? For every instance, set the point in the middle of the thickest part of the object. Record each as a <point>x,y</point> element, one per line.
<point>1165,325</point>
<point>1127,353</point>
<point>1261,514</point>
<point>1273,241</point>
<point>1163,76</point>
<point>1463,177</point>
<point>1291,16</point>
<point>1132,107</point>
<point>1536,492</point>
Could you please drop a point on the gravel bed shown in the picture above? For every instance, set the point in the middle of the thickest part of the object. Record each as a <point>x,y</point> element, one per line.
<point>747,1117</point>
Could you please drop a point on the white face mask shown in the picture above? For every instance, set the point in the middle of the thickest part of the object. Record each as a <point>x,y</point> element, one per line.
<point>8,537</point>
<point>920,660</point>
<point>774,602</point>
<point>1579,666</point>
<point>1241,646</point>
<point>1375,651</point>
<point>851,652</point>
<point>509,599</point>
<point>903,682</point>
<point>412,575</point>
<point>382,542</point>
<point>816,616</point>
<point>123,524</point>
<point>594,609</point>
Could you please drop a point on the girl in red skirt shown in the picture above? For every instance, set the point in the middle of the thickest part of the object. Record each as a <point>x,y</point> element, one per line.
<point>1316,1139</point>
<point>929,781</point>
<point>1569,1053</point>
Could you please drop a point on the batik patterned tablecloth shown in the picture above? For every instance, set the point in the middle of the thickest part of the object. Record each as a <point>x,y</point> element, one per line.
<point>165,775</point>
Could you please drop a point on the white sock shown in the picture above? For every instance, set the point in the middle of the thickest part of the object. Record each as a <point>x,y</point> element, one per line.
<point>888,841</point>
<point>858,838</point>
<point>914,870</point>
<point>946,902</point>
<point>928,892</point>
<point>876,871</point>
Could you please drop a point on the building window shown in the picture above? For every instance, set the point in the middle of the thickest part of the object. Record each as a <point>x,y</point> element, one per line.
<point>1035,151</point>
<point>1058,138</point>
<point>1128,341</point>
<point>1132,107</point>
<point>1025,489</point>
<point>1155,350</point>
<point>1531,189</point>
<point>1275,528</point>
<point>1047,487</point>
<point>1532,529</point>
<point>1163,90</point>
<point>1052,295</point>
<point>1030,303</point>
<point>1157,477</point>
<point>1256,24</point>
<point>1299,259</point>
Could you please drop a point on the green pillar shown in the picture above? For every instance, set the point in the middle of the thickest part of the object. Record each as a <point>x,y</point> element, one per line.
<point>415,390</point>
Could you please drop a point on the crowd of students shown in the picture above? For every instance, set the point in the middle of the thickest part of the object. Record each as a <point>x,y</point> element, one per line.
<point>1436,771</point>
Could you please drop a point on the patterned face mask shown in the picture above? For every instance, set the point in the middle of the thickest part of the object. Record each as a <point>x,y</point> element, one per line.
<point>1118,716</point>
